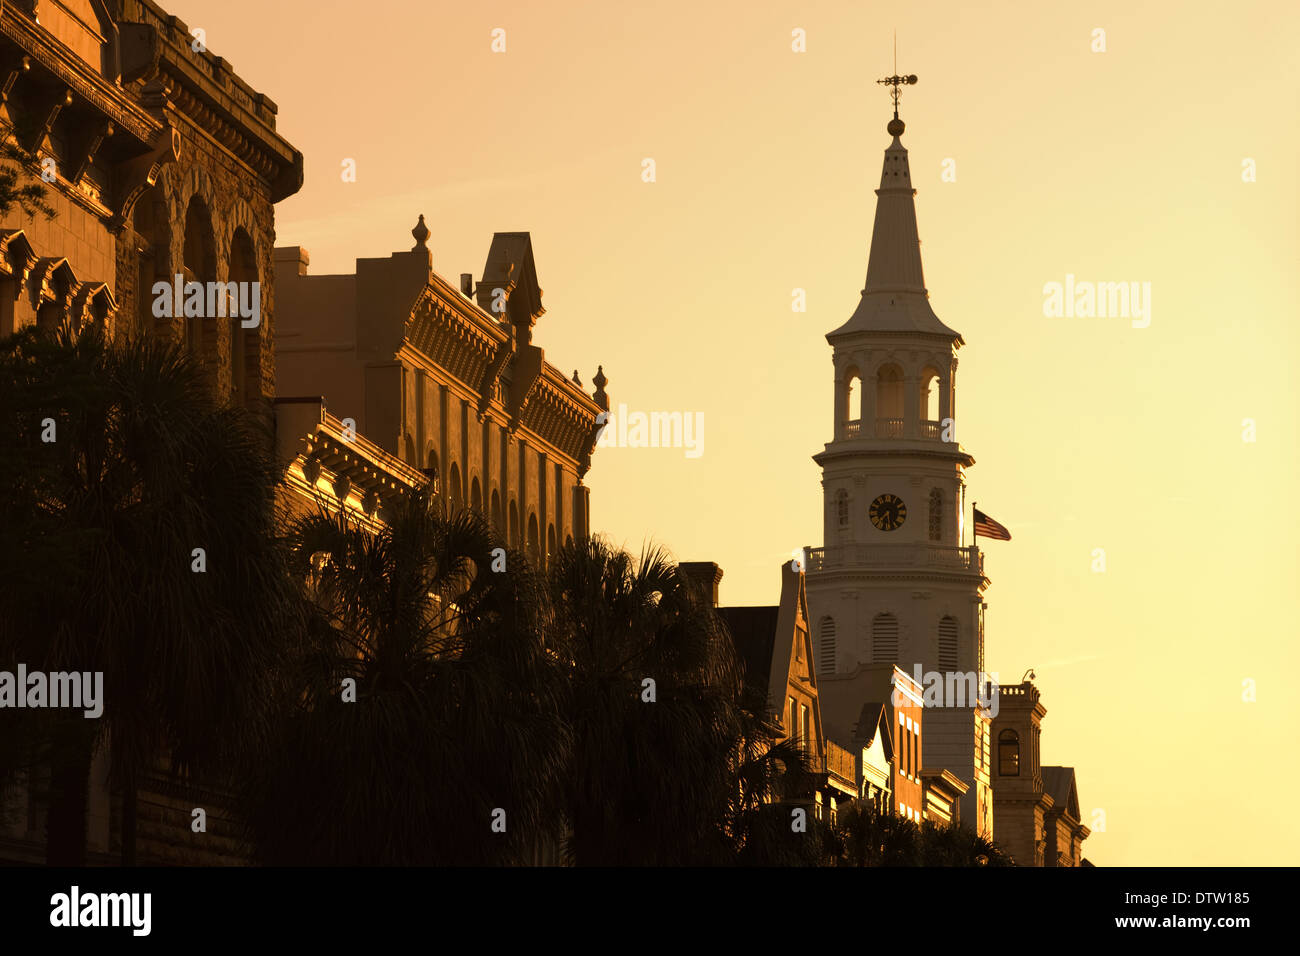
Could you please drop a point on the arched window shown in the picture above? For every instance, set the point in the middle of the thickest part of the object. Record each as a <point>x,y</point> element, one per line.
<point>200,260</point>
<point>936,514</point>
<point>1009,754</point>
<point>884,639</point>
<point>889,402</point>
<point>496,512</point>
<point>842,507</point>
<point>826,645</point>
<point>534,545</point>
<point>514,525</point>
<point>550,542</point>
<point>475,495</point>
<point>948,644</point>
<point>153,264</point>
<point>929,398</point>
<point>244,342</point>
<point>454,489</point>
<point>852,402</point>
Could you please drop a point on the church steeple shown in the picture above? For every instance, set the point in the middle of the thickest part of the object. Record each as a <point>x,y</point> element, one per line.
<point>895,263</point>
<point>895,583</point>
<point>894,298</point>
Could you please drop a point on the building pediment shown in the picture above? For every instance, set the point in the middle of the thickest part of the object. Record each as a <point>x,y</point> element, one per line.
<point>509,286</point>
<point>84,27</point>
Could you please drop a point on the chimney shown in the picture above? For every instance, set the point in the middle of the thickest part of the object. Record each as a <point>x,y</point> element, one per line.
<point>291,260</point>
<point>705,575</point>
<point>467,284</point>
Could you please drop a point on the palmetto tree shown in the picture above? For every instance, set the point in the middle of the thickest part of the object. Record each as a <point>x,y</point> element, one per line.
<point>864,836</point>
<point>943,845</point>
<point>652,701</point>
<point>139,542</point>
<point>449,750</point>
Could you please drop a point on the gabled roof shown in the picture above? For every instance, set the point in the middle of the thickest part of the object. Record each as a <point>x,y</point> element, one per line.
<point>874,721</point>
<point>1060,783</point>
<point>510,267</point>
<point>765,639</point>
<point>753,631</point>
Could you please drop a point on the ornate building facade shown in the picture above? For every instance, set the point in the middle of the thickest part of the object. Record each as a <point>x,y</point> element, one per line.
<point>158,161</point>
<point>446,379</point>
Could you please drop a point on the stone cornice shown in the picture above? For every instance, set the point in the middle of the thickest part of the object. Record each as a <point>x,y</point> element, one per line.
<point>851,448</point>
<point>842,576</point>
<point>205,88</point>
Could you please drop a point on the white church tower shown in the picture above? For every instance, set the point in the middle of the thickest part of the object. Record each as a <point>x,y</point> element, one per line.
<point>896,583</point>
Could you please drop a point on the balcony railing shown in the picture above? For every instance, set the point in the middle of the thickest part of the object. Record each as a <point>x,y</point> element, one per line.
<point>916,555</point>
<point>892,428</point>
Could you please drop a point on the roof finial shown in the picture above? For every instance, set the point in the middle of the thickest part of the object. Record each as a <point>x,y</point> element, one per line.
<point>421,234</point>
<point>600,381</point>
<point>896,83</point>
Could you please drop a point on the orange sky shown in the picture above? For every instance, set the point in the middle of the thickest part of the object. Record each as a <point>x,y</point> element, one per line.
<point>1117,166</point>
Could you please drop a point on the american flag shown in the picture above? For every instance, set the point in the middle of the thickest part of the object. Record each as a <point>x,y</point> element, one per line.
<point>986,526</point>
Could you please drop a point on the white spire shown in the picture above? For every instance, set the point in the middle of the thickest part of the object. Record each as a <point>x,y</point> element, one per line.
<point>894,299</point>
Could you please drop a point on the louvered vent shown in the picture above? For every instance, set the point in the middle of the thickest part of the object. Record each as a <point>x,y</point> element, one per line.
<point>884,639</point>
<point>826,648</point>
<point>948,644</point>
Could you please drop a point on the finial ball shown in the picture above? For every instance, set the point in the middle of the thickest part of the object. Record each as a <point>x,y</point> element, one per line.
<point>895,127</point>
<point>420,232</point>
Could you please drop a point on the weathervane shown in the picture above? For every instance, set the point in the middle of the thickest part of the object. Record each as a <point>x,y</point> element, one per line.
<point>896,82</point>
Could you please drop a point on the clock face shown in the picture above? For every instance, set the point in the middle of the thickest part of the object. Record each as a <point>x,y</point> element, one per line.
<point>888,512</point>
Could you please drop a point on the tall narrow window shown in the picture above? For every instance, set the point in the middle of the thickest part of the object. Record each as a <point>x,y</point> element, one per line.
<point>826,633</point>
<point>1009,754</point>
<point>889,402</point>
<point>948,644</point>
<point>852,399</point>
<point>936,514</point>
<point>842,507</point>
<point>803,726</point>
<point>884,639</point>
<point>794,727</point>
<point>245,359</point>
<point>929,397</point>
